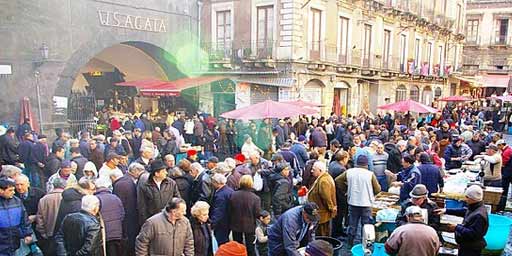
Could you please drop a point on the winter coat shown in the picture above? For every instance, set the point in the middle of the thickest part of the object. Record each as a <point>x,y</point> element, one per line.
<point>184,184</point>
<point>202,238</point>
<point>410,177</point>
<point>47,211</point>
<point>24,151</point>
<point>282,197</point>
<point>284,235</point>
<point>307,178</point>
<point>112,212</point>
<point>126,189</point>
<point>470,234</point>
<point>52,165</point>
<point>394,163</point>
<point>219,212</point>
<point>80,234</point>
<point>117,150</point>
<point>151,200</point>
<point>9,150</point>
<point>434,220</point>
<point>202,189</point>
<point>452,151</point>
<point>32,200</point>
<point>302,154</point>
<point>39,153</point>
<point>477,147</point>
<point>323,193</point>
<point>431,177</point>
<point>158,237</point>
<point>234,179</point>
<point>319,138</point>
<point>71,203</point>
<point>14,224</point>
<point>244,207</point>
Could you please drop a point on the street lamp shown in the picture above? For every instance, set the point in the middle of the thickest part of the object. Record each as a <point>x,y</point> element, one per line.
<point>44,51</point>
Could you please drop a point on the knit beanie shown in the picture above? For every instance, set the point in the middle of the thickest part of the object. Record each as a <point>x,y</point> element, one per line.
<point>231,248</point>
<point>474,192</point>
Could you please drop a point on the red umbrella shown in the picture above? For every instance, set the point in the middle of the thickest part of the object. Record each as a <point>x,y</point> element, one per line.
<point>409,105</point>
<point>268,109</point>
<point>302,103</point>
<point>456,98</point>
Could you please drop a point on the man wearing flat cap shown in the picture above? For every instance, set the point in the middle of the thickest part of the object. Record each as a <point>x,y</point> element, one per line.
<point>64,173</point>
<point>470,234</point>
<point>413,238</point>
<point>419,197</point>
<point>493,164</point>
<point>293,228</point>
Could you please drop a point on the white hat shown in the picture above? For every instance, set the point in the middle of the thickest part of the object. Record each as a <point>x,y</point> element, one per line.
<point>474,192</point>
<point>499,142</point>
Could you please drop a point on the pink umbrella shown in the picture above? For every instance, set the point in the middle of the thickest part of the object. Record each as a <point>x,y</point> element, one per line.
<point>409,105</point>
<point>302,103</point>
<point>456,98</point>
<point>268,109</point>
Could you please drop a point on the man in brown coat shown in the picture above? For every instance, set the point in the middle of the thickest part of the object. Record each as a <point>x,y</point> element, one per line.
<point>167,232</point>
<point>46,216</point>
<point>323,193</point>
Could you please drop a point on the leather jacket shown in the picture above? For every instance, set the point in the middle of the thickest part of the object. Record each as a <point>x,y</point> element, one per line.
<point>80,234</point>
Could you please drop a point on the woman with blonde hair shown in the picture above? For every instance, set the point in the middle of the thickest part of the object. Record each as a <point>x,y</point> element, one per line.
<point>201,229</point>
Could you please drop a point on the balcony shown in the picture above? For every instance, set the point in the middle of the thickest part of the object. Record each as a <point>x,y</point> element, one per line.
<point>472,41</point>
<point>500,40</point>
<point>240,50</point>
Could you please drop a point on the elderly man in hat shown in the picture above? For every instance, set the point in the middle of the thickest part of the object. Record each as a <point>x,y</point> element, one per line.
<point>64,173</point>
<point>470,234</point>
<point>361,186</point>
<point>154,194</point>
<point>419,197</point>
<point>413,238</point>
<point>292,228</point>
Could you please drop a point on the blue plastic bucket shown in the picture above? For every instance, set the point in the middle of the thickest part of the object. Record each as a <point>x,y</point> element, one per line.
<point>378,250</point>
<point>453,204</point>
<point>498,232</point>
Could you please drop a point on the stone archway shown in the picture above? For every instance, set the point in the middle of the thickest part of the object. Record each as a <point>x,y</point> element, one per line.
<point>313,91</point>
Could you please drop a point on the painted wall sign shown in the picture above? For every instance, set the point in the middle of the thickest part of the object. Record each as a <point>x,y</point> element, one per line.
<point>121,20</point>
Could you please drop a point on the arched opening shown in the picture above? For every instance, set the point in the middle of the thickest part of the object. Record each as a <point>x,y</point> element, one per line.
<point>428,96</point>
<point>401,93</point>
<point>313,90</point>
<point>340,99</point>
<point>414,93</point>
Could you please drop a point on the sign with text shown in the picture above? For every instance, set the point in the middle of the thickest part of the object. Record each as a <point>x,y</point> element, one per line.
<point>122,20</point>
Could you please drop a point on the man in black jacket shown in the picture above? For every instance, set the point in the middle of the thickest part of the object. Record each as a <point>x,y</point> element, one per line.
<point>53,162</point>
<point>81,232</point>
<point>470,234</point>
<point>9,148</point>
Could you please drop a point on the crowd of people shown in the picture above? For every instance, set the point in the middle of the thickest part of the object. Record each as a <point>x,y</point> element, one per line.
<point>270,186</point>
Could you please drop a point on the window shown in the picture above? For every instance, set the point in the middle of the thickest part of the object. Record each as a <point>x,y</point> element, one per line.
<point>417,53</point>
<point>367,44</point>
<point>430,49</point>
<point>224,29</point>
<point>472,31</point>
<point>316,33</point>
<point>265,32</point>
<point>387,49</point>
<point>438,92</point>
<point>401,93</point>
<point>502,32</point>
<point>455,58</point>
<point>414,94</point>
<point>403,53</point>
<point>343,40</point>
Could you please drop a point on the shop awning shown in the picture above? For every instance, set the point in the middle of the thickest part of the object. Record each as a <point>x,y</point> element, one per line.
<point>470,80</point>
<point>271,81</point>
<point>153,87</point>
<point>497,81</point>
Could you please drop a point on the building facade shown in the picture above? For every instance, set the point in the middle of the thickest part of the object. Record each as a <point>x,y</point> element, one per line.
<point>57,46</point>
<point>487,55</point>
<point>349,56</point>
